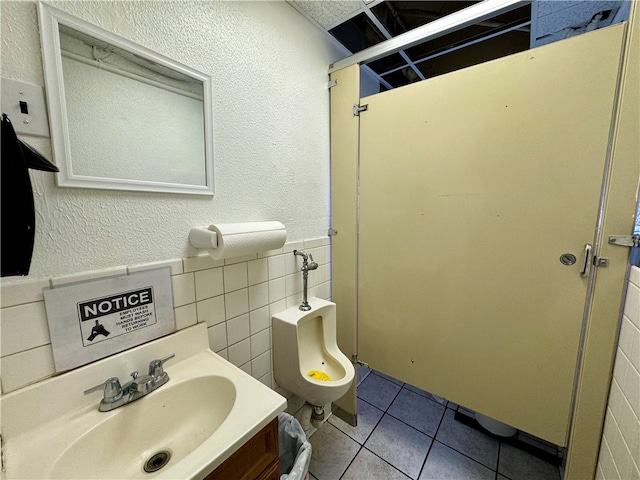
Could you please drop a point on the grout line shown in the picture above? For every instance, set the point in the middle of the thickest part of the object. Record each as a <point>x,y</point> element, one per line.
<point>353,459</point>
<point>29,350</point>
<point>362,447</point>
<point>451,447</point>
<point>375,426</point>
<point>465,455</point>
<point>409,425</point>
<point>381,375</point>
<point>386,461</point>
<point>433,440</point>
<point>386,412</point>
<point>391,402</point>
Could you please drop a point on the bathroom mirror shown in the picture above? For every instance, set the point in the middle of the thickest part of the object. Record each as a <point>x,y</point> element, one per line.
<point>123,117</point>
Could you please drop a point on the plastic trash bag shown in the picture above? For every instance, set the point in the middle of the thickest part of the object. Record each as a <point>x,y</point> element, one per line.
<point>295,450</point>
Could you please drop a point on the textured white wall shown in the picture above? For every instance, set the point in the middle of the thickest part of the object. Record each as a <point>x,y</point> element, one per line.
<point>271,130</point>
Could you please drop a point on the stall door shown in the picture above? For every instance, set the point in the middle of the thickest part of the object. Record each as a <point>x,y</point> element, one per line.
<point>479,191</point>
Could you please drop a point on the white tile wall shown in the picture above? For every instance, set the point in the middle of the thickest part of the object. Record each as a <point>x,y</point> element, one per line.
<point>186,316</point>
<point>22,290</point>
<point>258,272</point>
<point>235,277</point>
<point>184,290</point>
<point>620,448</point>
<point>236,303</point>
<point>235,297</point>
<point>23,327</point>
<point>259,319</point>
<point>209,283</point>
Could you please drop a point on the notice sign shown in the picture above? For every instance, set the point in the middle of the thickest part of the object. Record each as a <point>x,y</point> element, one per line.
<point>94,319</point>
<point>116,315</point>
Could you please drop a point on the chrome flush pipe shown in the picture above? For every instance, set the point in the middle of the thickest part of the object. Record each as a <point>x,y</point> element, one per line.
<point>306,266</point>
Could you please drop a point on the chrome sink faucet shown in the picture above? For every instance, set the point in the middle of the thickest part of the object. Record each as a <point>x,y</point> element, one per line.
<point>116,395</point>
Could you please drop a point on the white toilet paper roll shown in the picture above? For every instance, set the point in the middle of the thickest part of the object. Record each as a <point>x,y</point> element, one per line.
<point>238,239</point>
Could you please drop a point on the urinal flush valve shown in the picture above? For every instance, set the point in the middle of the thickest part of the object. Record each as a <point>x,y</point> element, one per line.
<point>307,264</point>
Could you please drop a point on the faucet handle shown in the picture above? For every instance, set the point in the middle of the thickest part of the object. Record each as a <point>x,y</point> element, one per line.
<point>312,265</point>
<point>112,389</point>
<point>155,366</point>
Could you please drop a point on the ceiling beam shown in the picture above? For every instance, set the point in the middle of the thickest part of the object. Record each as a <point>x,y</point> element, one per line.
<point>455,21</point>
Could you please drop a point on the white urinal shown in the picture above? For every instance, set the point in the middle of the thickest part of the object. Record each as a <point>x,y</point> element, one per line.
<point>306,358</point>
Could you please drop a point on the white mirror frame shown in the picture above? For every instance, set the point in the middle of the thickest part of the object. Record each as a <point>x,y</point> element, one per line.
<point>49,19</point>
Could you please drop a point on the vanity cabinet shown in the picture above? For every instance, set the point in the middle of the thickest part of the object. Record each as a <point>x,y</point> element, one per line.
<point>258,459</point>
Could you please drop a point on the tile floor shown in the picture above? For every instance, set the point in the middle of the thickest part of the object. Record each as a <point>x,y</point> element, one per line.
<point>404,432</point>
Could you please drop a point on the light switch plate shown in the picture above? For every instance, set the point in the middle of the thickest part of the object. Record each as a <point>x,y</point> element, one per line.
<point>35,122</point>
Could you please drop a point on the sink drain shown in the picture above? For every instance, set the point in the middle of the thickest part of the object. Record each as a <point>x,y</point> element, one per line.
<point>157,461</point>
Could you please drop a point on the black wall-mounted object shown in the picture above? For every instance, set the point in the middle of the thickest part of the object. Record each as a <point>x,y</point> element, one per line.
<point>17,208</point>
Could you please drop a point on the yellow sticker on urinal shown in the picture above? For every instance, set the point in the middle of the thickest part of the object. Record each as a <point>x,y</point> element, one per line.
<point>319,375</point>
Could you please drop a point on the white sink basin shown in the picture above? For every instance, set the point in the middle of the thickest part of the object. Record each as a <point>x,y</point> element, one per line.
<point>207,410</point>
<point>176,420</point>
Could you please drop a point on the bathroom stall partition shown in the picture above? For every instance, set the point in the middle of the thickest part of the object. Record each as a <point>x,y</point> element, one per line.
<point>474,212</point>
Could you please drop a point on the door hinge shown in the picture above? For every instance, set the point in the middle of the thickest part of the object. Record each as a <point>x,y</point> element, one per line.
<point>625,240</point>
<point>357,108</point>
<point>332,232</point>
<point>333,83</point>
<point>601,261</point>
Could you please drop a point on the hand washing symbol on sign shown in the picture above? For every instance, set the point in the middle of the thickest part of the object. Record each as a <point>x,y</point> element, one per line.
<point>98,329</point>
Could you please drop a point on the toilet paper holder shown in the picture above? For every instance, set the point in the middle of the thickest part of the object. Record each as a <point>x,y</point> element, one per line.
<point>203,238</point>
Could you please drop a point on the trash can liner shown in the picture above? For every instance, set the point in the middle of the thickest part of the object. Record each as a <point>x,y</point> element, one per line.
<point>295,450</point>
